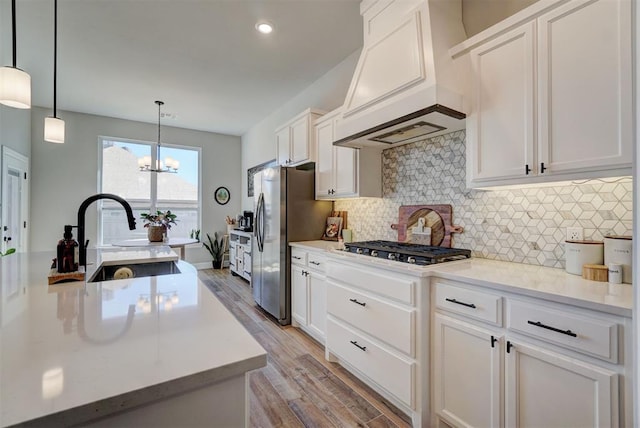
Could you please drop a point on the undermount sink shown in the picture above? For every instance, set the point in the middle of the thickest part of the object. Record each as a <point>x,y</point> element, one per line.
<point>134,270</point>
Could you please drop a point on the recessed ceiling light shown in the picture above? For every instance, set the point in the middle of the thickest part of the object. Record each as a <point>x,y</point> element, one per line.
<point>264,27</point>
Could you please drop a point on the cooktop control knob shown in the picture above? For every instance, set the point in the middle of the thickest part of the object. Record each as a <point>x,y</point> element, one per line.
<point>391,256</point>
<point>411,259</point>
<point>374,253</point>
<point>359,250</point>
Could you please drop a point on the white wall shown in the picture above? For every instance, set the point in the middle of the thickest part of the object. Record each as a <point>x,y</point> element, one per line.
<point>326,93</point>
<point>14,123</point>
<point>63,175</point>
<point>478,15</point>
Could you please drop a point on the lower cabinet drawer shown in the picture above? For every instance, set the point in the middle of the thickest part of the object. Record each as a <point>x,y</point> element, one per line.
<point>388,322</point>
<point>393,373</point>
<point>298,256</point>
<point>316,261</point>
<point>478,304</point>
<point>574,331</point>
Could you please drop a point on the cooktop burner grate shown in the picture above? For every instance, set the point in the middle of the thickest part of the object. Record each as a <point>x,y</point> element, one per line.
<point>407,253</point>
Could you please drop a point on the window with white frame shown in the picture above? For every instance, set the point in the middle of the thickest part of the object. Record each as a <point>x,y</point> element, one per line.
<point>146,191</point>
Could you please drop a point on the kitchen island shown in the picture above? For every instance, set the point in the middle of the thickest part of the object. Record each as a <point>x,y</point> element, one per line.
<point>149,351</point>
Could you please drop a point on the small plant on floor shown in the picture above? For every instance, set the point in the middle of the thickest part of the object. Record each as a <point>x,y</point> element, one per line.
<point>9,251</point>
<point>216,249</point>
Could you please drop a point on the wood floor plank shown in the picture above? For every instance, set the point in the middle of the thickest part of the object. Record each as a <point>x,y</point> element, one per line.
<point>276,411</point>
<point>309,414</point>
<point>298,387</point>
<point>328,403</point>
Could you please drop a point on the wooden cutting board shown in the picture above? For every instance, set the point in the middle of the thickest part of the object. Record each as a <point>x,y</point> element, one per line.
<point>437,217</point>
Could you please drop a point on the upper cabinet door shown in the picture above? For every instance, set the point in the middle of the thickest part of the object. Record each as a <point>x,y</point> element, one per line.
<point>584,68</point>
<point>300,140</point>
<point>501,126</point>
<point>324,158</point>
<point>282,141</point>
<point>346,171</point>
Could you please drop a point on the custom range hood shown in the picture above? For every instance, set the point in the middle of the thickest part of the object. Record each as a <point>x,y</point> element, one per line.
<point>406,87</point>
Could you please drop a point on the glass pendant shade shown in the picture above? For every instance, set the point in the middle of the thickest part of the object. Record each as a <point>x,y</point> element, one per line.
<point>54,130</point>
<point>15,88</point>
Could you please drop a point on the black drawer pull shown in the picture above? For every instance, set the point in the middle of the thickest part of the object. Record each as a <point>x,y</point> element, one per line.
<point>297,258</point>
<point>315,263</point>
<point>359,303</point>
<point>468,305</point>
<point>548,327</point>
<point>354,343</point>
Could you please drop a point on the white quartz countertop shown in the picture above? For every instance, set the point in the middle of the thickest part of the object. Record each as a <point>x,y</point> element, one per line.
<point>316,245</point>
<point>73,352</point>
<point>536,281</point>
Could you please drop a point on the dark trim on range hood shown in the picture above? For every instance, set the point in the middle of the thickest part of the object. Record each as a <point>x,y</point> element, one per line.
<point>436,108</point>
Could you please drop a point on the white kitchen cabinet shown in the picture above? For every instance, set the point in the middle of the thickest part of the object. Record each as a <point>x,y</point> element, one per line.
<point>551,98</point>
<point>556,364</point>
<point>377,327</point>
<point>547,389</point>
<point>296,140</point>
<point>342,171</point>
<point>299,295</point>
<point>500,132</point>
<point>309,292</point>
<point>467,370</point>
<point>240,253</point>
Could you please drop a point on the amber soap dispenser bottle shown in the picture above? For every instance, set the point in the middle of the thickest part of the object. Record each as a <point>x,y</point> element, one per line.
<point>67,252</point>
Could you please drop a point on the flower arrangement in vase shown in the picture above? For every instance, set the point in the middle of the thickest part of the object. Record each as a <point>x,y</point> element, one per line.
<point>158,224</point>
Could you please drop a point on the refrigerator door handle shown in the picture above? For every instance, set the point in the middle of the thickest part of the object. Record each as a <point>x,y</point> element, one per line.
<point>260,222</point>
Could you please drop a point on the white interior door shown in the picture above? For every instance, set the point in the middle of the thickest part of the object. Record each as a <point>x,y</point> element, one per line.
<point>15,201</point>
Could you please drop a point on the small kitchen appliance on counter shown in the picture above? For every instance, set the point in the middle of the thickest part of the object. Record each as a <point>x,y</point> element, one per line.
<point>245,221</point>
<point>417,254</point>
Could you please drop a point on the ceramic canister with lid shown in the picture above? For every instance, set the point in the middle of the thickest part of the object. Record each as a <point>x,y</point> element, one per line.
<point>580,253</point>
<point>617,249</point>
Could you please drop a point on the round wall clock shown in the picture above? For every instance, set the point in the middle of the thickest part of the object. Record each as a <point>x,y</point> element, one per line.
<point>222,195</point>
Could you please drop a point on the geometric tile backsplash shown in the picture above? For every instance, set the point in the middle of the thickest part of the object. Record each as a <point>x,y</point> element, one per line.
<point>520,225</point>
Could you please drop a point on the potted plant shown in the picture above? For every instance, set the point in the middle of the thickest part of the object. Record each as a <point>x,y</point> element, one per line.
<point>216,249</point>
<point>158,224</point>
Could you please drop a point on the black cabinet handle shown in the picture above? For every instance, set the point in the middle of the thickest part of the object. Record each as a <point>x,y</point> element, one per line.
<point>297,258</point>
<point>359,303</point>
<point>305,273</point>
<point>542,168</point>
<point>548,327</point>
<point>354,343</point>
<point>493,341</point>
<point>314,263</point>
<point>527,170</point>
<point>509,346</point>
<point>468,305</point>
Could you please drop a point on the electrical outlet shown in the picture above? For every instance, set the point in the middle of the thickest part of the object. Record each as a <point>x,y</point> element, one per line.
<point>574,234</point>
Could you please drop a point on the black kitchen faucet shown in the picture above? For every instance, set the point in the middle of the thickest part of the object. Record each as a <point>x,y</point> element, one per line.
<point>81,214</point>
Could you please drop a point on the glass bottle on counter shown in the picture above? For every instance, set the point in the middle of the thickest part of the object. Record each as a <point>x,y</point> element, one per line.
<point>67,252</point>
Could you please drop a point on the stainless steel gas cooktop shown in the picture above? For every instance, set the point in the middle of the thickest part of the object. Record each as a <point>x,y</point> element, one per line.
<point>406,252</point>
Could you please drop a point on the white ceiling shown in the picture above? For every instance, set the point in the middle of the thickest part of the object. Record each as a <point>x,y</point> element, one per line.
<point>203,58</point>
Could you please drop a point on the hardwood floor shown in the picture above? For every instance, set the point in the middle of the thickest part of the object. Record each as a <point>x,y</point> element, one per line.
<point>298,388</point>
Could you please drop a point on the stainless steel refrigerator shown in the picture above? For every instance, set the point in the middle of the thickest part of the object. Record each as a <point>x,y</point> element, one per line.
<point>285,211</point>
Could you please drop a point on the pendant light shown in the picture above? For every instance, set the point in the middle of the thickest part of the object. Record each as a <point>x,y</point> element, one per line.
<point>53,126</point>
<point>15,84</point>
<point>170,165</point>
